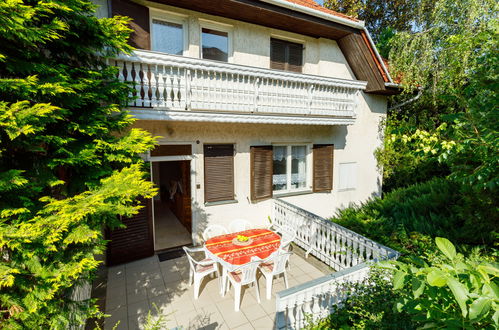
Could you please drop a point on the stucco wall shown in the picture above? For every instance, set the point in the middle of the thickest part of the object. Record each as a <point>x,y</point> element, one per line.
<point>251,43</point>
<point>355,143</point>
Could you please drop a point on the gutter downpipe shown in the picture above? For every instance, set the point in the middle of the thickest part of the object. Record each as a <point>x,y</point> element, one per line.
<point>406,102</point>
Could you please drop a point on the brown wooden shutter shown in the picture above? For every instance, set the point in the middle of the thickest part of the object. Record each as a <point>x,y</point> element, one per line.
<point>261,172</point>
<point>295,57</point>
<point>218,172</point>
<point>141,36</point>
<point>277,54</point>
<point>323,167</point>
<point>286,55</point>
<point>133,242</point>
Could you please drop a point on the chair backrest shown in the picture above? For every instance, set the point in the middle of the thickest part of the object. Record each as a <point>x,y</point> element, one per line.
<point>239,225</point>
<point>214,230</point>
<point>248,271</point>
<point>288,234</point>
<point>188,252</point>
<point>280,260</point>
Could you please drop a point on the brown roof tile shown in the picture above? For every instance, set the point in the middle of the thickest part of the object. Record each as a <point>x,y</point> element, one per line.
<point>314,5</point>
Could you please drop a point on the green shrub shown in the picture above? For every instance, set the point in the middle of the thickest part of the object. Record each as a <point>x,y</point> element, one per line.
<point>453,291</point>
<point>407,219</point>
<point>369,305</point>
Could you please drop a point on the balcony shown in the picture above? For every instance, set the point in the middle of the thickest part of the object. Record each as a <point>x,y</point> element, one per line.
<point>169,87</point>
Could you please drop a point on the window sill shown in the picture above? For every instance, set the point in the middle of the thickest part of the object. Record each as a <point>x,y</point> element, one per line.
<point>293,193</point>
<point>233,201</point>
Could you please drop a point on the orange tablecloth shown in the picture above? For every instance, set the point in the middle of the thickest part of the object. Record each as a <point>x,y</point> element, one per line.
<point>264,243</point>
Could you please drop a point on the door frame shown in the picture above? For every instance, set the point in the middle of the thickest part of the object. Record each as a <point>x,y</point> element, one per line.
<point>192,159</point>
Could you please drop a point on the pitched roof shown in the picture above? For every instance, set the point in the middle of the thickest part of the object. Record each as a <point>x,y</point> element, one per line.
<point>314,5</point>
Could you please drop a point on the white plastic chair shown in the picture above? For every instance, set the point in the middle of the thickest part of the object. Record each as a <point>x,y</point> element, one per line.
<point>273,266</point>
<point>214,230</point>
<point>288,235</point>
<point>199,269</point>
<point>239,225</point>
<point>244,275</point>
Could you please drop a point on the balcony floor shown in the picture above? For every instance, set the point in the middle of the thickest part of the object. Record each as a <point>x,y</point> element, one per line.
<point>134,288</point>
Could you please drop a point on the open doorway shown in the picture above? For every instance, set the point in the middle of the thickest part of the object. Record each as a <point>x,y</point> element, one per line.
<point>172,206</point>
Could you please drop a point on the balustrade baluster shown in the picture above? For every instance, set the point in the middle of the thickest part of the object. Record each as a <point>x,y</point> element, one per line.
<point>161,86</point>
<point>146,83</point>
<point>152,74</point>
<point>138,84</point>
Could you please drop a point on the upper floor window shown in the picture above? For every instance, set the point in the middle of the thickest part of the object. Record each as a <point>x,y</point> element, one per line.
<point>286,55</point>
<point>167,37</point>
<point>215,45</point>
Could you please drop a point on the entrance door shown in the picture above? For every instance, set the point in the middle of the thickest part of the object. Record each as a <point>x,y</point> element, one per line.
<point>172,207</point>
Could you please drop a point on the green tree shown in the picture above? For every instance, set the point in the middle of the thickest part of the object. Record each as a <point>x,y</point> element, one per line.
<point>382,15</point>
<point>69,163</point>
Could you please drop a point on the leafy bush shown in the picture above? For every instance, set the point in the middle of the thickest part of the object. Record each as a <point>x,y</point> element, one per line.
<point>407,219</point>
<point>451,292</point>
<point>369,305</point>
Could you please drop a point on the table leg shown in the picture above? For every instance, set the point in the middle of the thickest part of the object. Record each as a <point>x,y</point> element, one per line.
<point>224,281</point>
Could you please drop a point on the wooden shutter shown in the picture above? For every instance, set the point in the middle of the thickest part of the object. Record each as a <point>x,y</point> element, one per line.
<point>133,242</point>
<point>295,57</point>
<point>140,37</point>
<point>286,55</point>
<point>261,172</point>
<point>218,172</point>
<point>323,167</point>
<point>277,54</point>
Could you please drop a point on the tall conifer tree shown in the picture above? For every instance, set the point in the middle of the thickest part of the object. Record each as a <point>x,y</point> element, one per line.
<point>69,163</point>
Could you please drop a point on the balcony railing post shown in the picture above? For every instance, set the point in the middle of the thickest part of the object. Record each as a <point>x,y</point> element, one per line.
<point>256,89</point>
<point>310,98</point>
<point>188,89</point>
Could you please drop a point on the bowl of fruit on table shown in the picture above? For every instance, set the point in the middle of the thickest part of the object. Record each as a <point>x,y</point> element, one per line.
<point>242,240</point>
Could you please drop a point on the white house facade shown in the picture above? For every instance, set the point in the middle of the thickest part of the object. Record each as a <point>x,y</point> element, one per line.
<point>253,100</point>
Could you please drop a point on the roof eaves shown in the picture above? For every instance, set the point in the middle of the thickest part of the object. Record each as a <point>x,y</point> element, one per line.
<point>317,13</point>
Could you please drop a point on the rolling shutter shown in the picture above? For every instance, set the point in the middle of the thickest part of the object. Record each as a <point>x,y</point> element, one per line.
<point>140,37</point>
<point>295,57</point>
<point>323,167</point>
<point>261,172</point>
<point>286,55</point>
<point>277,54</point>
<point>133,242</point>
<point>218,172</point>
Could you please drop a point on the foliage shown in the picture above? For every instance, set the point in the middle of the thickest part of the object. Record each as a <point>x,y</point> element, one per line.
<point>451,292</point>
<point>368,305</point>
<point>407,219</point>
<point>442,54</point>
<point>411,155</point>
<point>69,163</point>
<point>380,15</point>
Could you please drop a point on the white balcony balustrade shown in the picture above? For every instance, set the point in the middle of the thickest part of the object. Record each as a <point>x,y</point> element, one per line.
<point>172,83</point>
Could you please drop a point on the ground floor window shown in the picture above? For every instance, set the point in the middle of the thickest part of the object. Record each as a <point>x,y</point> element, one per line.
<point>289,168</point>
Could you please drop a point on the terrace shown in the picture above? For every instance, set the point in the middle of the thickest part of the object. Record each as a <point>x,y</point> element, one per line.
<point>325,256</point>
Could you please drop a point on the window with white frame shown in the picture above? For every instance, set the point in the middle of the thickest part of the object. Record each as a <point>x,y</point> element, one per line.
<point>168,36</point>
<point>215,44</point>
<point>290,168</point>
<point>347,176</point>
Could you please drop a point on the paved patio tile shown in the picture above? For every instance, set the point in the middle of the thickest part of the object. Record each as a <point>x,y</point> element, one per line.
<point>254,312</point>
<point>245,326</point>
<point>135,295</point>
<point>263,323</point>
<point>138,308</point>
<point>134,288</point>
